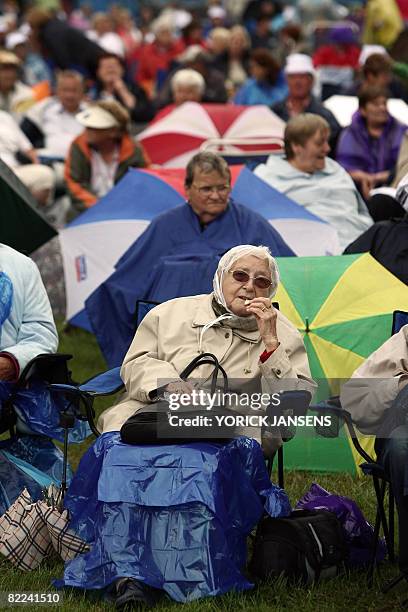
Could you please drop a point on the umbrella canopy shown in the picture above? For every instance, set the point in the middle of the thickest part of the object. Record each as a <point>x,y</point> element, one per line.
<point>21,226</point>
<point>171,140</point>
<point>343,308</point>
<point>93,243</point>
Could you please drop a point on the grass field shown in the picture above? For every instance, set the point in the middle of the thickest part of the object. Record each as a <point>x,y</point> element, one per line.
<point>346,592</point>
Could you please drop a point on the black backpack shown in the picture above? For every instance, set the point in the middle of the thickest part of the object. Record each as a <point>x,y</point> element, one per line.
<point>305,546</point>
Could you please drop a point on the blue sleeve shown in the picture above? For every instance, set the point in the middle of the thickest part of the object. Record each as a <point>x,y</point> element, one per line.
<point>37,332</point>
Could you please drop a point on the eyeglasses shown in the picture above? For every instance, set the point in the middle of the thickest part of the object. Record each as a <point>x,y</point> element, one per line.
<point>209,189</point>
<point>243,277</point>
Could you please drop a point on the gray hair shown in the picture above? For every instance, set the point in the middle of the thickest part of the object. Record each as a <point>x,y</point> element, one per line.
<point>206,162</point>
<point>70,74</point>
<point>188,78</point>
<point>230,257</point>
<point>302,127</point>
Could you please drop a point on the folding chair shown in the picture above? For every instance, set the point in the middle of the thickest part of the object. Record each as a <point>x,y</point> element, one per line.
<point>53,371</point>
<point>370,467</point>
<point>80,397</point>
<point>142,308</point>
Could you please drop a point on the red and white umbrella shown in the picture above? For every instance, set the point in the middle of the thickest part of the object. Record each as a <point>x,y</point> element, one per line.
<point>178,132</point>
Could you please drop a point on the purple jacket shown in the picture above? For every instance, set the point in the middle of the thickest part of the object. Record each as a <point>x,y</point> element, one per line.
<point>357,150</point>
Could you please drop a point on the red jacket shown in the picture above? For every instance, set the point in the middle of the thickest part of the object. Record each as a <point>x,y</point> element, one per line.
<point>153,59</point>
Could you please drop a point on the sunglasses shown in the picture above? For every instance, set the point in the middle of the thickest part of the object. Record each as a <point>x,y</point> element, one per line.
<point>243,277</point>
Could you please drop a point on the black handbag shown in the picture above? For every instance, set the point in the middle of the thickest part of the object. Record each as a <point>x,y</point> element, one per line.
<point>151,424</point>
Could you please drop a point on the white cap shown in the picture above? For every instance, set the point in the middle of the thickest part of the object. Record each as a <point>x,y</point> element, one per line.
<point>97,118</point>
<point>299,63</point>
<point>15,38</point>
<point>216,12</point>
<point>368,50</point>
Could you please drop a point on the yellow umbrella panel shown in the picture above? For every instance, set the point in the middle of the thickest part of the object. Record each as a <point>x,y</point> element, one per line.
<point>343,307</point>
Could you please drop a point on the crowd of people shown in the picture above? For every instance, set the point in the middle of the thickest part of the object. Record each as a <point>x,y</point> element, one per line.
<point>152,60</point>
<point>76,88</point>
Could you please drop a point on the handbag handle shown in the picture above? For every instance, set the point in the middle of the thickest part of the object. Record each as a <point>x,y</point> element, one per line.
<point>207,358</point>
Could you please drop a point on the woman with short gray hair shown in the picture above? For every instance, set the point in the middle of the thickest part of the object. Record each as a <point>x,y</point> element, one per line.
<point>312,179</point>
<point>187,85</point>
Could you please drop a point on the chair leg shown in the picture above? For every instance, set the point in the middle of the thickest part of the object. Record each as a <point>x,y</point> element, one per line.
<point>64,465</point>
<point>391,524</point>
<point>380,520</point>
<point>376,534</point>
<point>380,493</point>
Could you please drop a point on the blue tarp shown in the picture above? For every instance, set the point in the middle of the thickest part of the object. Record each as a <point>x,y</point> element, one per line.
<point>172,238</point>
<point>40,411</point>
<point>174,517</point>
<point>28,462</point>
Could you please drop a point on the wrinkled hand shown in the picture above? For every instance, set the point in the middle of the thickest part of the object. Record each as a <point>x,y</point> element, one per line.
<point>180,387</point>
<point>7,371</point>
<point>266,317</point>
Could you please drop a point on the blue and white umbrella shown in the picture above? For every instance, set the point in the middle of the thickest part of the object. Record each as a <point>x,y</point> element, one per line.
<point>93,243</point>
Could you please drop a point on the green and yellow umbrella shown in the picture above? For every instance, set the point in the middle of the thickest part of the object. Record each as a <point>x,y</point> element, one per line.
<point>343,307</point>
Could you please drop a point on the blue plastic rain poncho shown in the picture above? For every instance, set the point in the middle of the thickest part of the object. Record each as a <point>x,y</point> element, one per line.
<point>174,517</point>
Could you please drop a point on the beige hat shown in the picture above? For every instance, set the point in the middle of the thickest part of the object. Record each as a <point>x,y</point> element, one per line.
<point>97,118</point>
<point>8,58</point>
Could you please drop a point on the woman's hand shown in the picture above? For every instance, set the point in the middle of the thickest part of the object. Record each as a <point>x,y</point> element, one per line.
<point>180,387</point>
<point>266,316</point>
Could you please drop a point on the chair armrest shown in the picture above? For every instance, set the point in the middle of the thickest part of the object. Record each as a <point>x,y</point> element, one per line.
<point>332,407</point>
<point>293,403</point>
<point>50,367</point>
<point>107,383</point>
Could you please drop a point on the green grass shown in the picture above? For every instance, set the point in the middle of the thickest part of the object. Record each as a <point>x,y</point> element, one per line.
<point>346,592</point>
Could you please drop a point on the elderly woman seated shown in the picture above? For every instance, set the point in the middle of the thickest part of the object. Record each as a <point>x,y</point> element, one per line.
<point>368,148</point>
<point>315,181</point>
<point>176,517</point>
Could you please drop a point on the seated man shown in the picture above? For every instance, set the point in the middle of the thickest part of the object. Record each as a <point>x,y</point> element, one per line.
<point>52,124</point>
<point>377,398</point>
<point>27,324</point>
<point>100,156</point>
<point>201,231</point>
<point>315,181</point>
<point>300,74</point>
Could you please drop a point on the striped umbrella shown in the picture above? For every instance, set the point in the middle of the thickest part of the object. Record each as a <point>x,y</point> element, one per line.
<point>343,307</point>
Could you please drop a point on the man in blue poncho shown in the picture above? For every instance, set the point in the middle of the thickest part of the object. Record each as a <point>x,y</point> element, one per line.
<point>178,253</point>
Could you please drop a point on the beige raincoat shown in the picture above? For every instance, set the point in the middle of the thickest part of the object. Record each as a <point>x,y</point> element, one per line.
<point>376,383</point>
<point>169,338</point>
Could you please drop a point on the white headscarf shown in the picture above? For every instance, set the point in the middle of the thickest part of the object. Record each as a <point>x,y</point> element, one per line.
<point>231,256</point>
<point>224,265</point>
